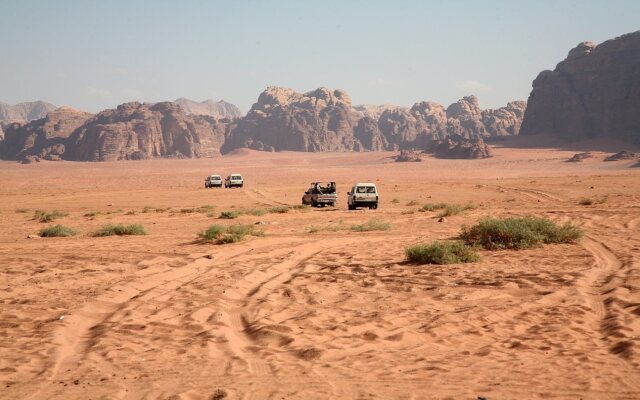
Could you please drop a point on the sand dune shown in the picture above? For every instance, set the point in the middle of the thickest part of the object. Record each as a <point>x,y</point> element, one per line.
<point>325,315</point>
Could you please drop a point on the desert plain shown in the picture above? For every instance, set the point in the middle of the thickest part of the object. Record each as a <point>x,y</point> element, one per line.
<point>312,309</point>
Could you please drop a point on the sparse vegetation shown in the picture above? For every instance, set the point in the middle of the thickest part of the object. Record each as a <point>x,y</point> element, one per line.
<point>372,225</point>
<point>258,212</point>
<point>301,207</point>
<point>519,233</point>
<point>412,203</point>
<point>441,253</point>
<point>279,209</point>
<point>92,214</point>
<point>212,233</point>
<point>585,202</point>
<point>327,228</point>
<point>44,216</point>
<point>447,209</point>
<point>130,212</point>
<point>229,214</point>
<point>57,231</point>
<point>231,234</point>
<point>148,209</point>
<point>22,210</point>
<point>120,230</point>
<point>395,201</point>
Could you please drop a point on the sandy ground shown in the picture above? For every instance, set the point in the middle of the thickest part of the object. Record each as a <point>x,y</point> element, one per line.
<point>325,315</point>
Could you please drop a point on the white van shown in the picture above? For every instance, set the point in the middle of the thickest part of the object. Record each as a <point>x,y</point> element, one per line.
<point>363,195</point>
<point>213,181</point>
<point>234,180</point>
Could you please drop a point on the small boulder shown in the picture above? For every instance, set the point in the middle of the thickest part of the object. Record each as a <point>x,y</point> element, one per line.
<point>623,155</point>
<point>578,157</point>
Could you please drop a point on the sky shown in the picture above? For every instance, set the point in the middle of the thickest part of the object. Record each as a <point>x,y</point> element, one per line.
<point>94,54</point>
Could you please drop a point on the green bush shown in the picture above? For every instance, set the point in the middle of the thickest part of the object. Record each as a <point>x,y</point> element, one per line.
<point>120,230</point>
<point>213,232</point>
<point>229,214</point>
<point>372,225</point>
<point>441,253</point>
<point>57,231</point>
<point>279,209</point>
<point>236,233</point>
<point>44,216</point>
<point>518,233</point>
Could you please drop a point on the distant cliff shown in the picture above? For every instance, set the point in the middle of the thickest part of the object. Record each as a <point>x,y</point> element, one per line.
<point>216,109</point>
<point>25,111</point>
<point>594,92</point>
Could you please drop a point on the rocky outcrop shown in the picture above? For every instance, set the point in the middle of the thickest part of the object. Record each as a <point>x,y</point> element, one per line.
<point>461,148</point>
<point>408,156</point>
<point>578,157</point>
<point>44,138</point>
<point>216,109</point>
<point>283,119</point>
<point>594,92</point>
<point>373,110</point>
<point>504,121</point>
<point>135,131</point>
<point>25,111</point>
<point>620,156</point>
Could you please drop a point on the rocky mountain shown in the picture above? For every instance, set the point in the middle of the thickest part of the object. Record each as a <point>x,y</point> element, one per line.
<point>594,92</point>
<point>373,110</point>
<point>25,111</point>
<point>283,119</point>
<point>44,138</point>
<point>460,148</point>
<point>216,109</point>
<point>136,131</point>
<point>325,120</point>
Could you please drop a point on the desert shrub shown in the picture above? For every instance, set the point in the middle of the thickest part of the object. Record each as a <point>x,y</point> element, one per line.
<point>441,253</point>
<point>372,225</point>
<point>120,230</point>
<point>585,202</point>
<point>301,207</point>
<point>412,203</point>
<point>148,209</point>
<point>447,209</point>
<point>395,201</point>
<point>327,228</point>
<point>211,233</point>
<point>44,216</point>
<point>57,231</point>
<point>130,212</point>
<point>258,212</point>
<point>236,233</point>
<point>279,209</point>
<point>518,233</point>
<point>22,210</point>
<point>603,199</point>
<point>229,214</point>
<point>92,214</point>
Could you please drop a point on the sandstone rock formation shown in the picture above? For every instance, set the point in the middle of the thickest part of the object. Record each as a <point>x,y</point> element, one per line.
<point>578,157</point>
<point>594,92</point>
<point>136,131</point>
<point>620,156</point>
<point>216,109</point>
<point>408,156</point>
<point>461,148</point>
<point>373,110</point>
<point>25,111</point>
<point>44,138</point>
<point>282,119</point>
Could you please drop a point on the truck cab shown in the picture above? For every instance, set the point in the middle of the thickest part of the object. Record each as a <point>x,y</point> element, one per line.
<point>363,194</point>
<point>233,180</point>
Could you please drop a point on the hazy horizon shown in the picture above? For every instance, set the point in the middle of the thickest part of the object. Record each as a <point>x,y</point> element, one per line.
<point>93,55</point>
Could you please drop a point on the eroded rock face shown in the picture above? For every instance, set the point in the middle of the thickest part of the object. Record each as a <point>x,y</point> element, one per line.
<point>216,109</point>
<point>408,156</point>
<point>504,121</point>
<point>594,92</point>
<point>461,148</point>
<point>283,119</point>
<point>25,111</point>
<point>44,137</point>
<point>135,131</point>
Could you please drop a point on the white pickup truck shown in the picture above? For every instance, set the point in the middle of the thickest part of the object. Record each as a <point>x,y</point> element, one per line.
<point>363,195</point>
<point>213,181</point>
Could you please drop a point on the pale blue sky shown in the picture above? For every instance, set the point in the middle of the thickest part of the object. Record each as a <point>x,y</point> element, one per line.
<point>96,54</point>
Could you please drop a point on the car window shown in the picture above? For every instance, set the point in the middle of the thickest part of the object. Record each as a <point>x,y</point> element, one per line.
<point>371,189</point>
<point>361,189</point>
